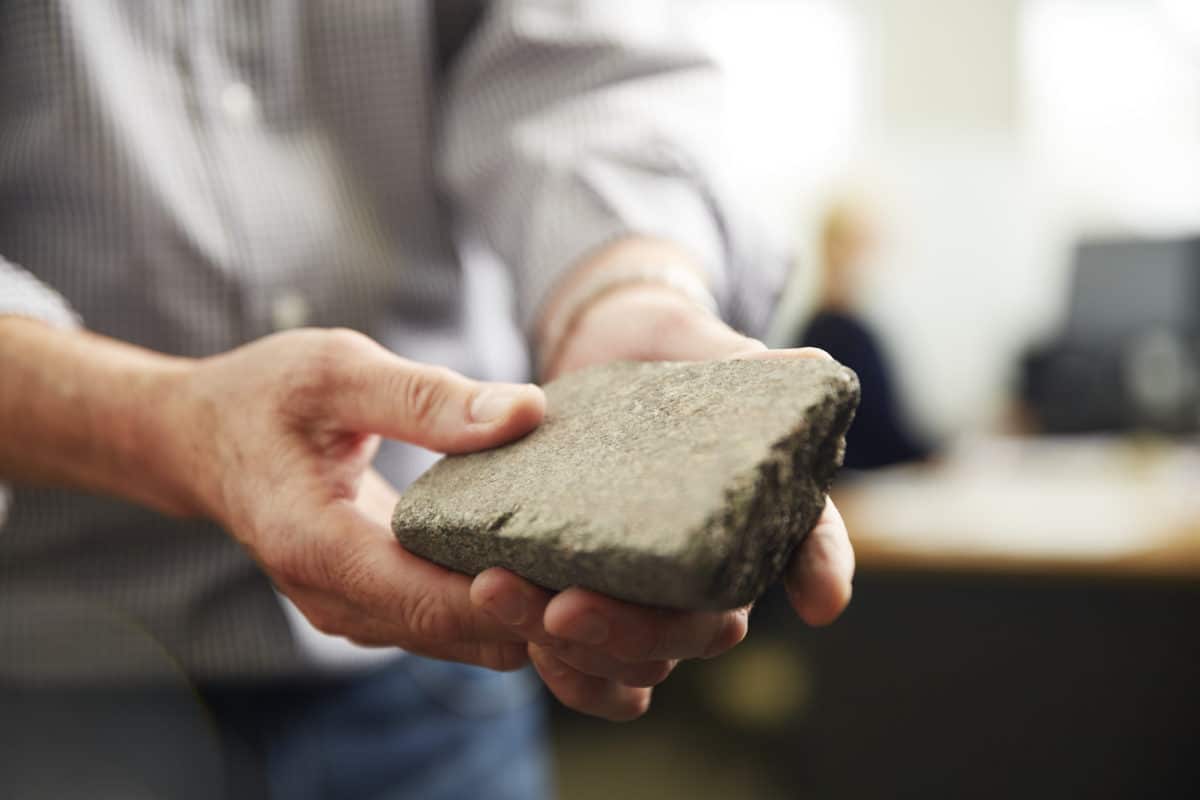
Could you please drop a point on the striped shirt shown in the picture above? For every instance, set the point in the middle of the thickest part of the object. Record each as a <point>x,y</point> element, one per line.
<point>194,174</point>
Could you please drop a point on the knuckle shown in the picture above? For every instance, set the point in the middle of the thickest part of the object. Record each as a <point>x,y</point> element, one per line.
<point>333,349</point>
<point>339,571</point>
<point>345,573</point>
<point>428,618</point>
<point>344,342</point>
<point>322,367</point>
<point>424,391</point>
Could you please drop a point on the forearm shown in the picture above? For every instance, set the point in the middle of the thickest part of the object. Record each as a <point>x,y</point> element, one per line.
<point>660,313</point>
<point>634,262</point>
<point>87,412</point>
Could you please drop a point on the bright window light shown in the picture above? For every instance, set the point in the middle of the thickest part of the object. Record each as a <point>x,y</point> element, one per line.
<point>1113,112</point>
<point>794,94</point>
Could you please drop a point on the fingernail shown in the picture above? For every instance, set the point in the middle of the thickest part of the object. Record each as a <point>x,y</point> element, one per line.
<point>589,628</point>
<point>508,607</point>
<point>494,403</point>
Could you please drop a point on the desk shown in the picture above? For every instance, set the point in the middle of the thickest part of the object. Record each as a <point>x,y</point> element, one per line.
<point>1102,507</point>
<point>1024,624</point>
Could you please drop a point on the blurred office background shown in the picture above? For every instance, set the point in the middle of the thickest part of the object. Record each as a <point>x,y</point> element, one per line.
<point>996,134</point>
<point>1025,620</point>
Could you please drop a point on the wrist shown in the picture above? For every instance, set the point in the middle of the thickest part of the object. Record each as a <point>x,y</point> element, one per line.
<point>171,441</point>
<point>91,413</point>
<point>654,275</point>
<point>143,424</point>
<point>648,323</point>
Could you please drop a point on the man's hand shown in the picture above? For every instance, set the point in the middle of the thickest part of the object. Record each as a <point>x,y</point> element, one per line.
<point>282,433</point>
<point>278,439</point>
<point>603,656</point>
<point>274,442</point>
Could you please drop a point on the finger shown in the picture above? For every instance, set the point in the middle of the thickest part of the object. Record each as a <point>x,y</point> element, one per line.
<point>599,664</point>
<point>635,633</point>
<point>359,561</point>
<point>374,391</point>
<point>595,696</point>
<point>820,577</point>
<point>333,616</point>
<point>513,601</point>
<point>787,352</point>
<point>377,498</point>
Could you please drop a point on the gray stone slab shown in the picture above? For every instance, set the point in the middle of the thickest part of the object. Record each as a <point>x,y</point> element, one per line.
<point>685,485</point>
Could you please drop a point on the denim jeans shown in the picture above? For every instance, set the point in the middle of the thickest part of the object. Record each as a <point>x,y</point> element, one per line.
<point>414,728</point>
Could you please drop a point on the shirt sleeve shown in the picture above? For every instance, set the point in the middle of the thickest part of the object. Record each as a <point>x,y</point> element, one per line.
<point>21,294</point>
<point>567,125</point>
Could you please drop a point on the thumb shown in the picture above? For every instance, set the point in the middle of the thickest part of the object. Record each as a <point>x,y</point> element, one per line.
<point>431,406</point>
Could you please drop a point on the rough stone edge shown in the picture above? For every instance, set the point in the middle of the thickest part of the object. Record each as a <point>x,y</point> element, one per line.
<point>793,458</point>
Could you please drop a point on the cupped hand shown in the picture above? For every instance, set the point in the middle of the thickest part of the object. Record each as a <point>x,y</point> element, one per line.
<point>599,655</point>
<point>278,439</point>
<point>654,323</point>
<point>603,656</point>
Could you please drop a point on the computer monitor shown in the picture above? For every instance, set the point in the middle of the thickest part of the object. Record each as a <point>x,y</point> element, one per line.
<point>1125,287</point>
<point>1129,354</point>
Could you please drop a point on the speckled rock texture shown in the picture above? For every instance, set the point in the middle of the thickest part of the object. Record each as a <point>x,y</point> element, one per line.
<point>686,485</point>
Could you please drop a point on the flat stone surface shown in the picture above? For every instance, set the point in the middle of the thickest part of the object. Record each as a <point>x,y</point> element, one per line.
<point>684,485</point>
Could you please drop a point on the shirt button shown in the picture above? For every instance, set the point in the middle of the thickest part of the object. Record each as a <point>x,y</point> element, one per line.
<point>239,103</point>
<point>290,310</point>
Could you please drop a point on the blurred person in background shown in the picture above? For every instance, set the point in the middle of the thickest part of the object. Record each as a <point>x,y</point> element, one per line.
<point>193,195</point>
<point>848,242</point>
